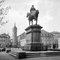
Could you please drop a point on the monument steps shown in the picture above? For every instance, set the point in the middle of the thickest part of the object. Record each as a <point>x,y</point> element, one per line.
<point>18,54</point>
<point>34,54</point>
<point>28,55</point>
<point>13,54</point>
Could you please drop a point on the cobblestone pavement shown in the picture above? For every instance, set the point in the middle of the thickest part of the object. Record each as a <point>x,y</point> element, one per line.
<point>6,56</point>
<point>45,58</point>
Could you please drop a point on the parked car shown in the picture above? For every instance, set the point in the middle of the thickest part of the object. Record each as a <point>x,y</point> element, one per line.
<point>3,49</point>
<point>8,50</point>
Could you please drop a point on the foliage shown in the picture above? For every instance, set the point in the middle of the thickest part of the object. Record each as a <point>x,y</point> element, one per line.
<point>3,12</point>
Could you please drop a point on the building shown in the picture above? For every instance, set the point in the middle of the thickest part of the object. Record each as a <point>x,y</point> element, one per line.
<point>22,39</point>
<point>56,39</point>
<point>5,40</point>
<point>47,39</point>
<point>15,40</point>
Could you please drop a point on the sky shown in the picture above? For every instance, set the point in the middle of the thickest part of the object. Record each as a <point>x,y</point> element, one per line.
<point>49,15</point>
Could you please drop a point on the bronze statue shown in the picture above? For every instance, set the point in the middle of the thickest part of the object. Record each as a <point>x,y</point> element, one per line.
<point>33,15</point>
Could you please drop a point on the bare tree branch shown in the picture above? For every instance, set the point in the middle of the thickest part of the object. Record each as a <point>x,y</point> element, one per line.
<point>3,11</point>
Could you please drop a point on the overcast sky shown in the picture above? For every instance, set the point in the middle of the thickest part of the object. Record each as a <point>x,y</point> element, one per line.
<point>49,15</point>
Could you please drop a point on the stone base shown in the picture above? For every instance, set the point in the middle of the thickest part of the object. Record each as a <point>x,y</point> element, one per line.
<point>33,38</point>
<point>33,47</point>
<point>36,46</point>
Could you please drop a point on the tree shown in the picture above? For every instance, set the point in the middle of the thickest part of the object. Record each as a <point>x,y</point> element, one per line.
<point>3,12</point>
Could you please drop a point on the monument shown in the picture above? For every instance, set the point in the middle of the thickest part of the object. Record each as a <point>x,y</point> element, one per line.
<point>33,32</point>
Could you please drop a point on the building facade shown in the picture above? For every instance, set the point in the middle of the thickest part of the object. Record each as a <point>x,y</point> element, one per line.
<point>56,40</point>
<point>5,40</point>
<point>22,39</point>
<point>47,39</point>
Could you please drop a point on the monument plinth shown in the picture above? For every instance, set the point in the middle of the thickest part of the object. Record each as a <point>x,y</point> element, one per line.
<point>33,38</point>
<point>33,32</point>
